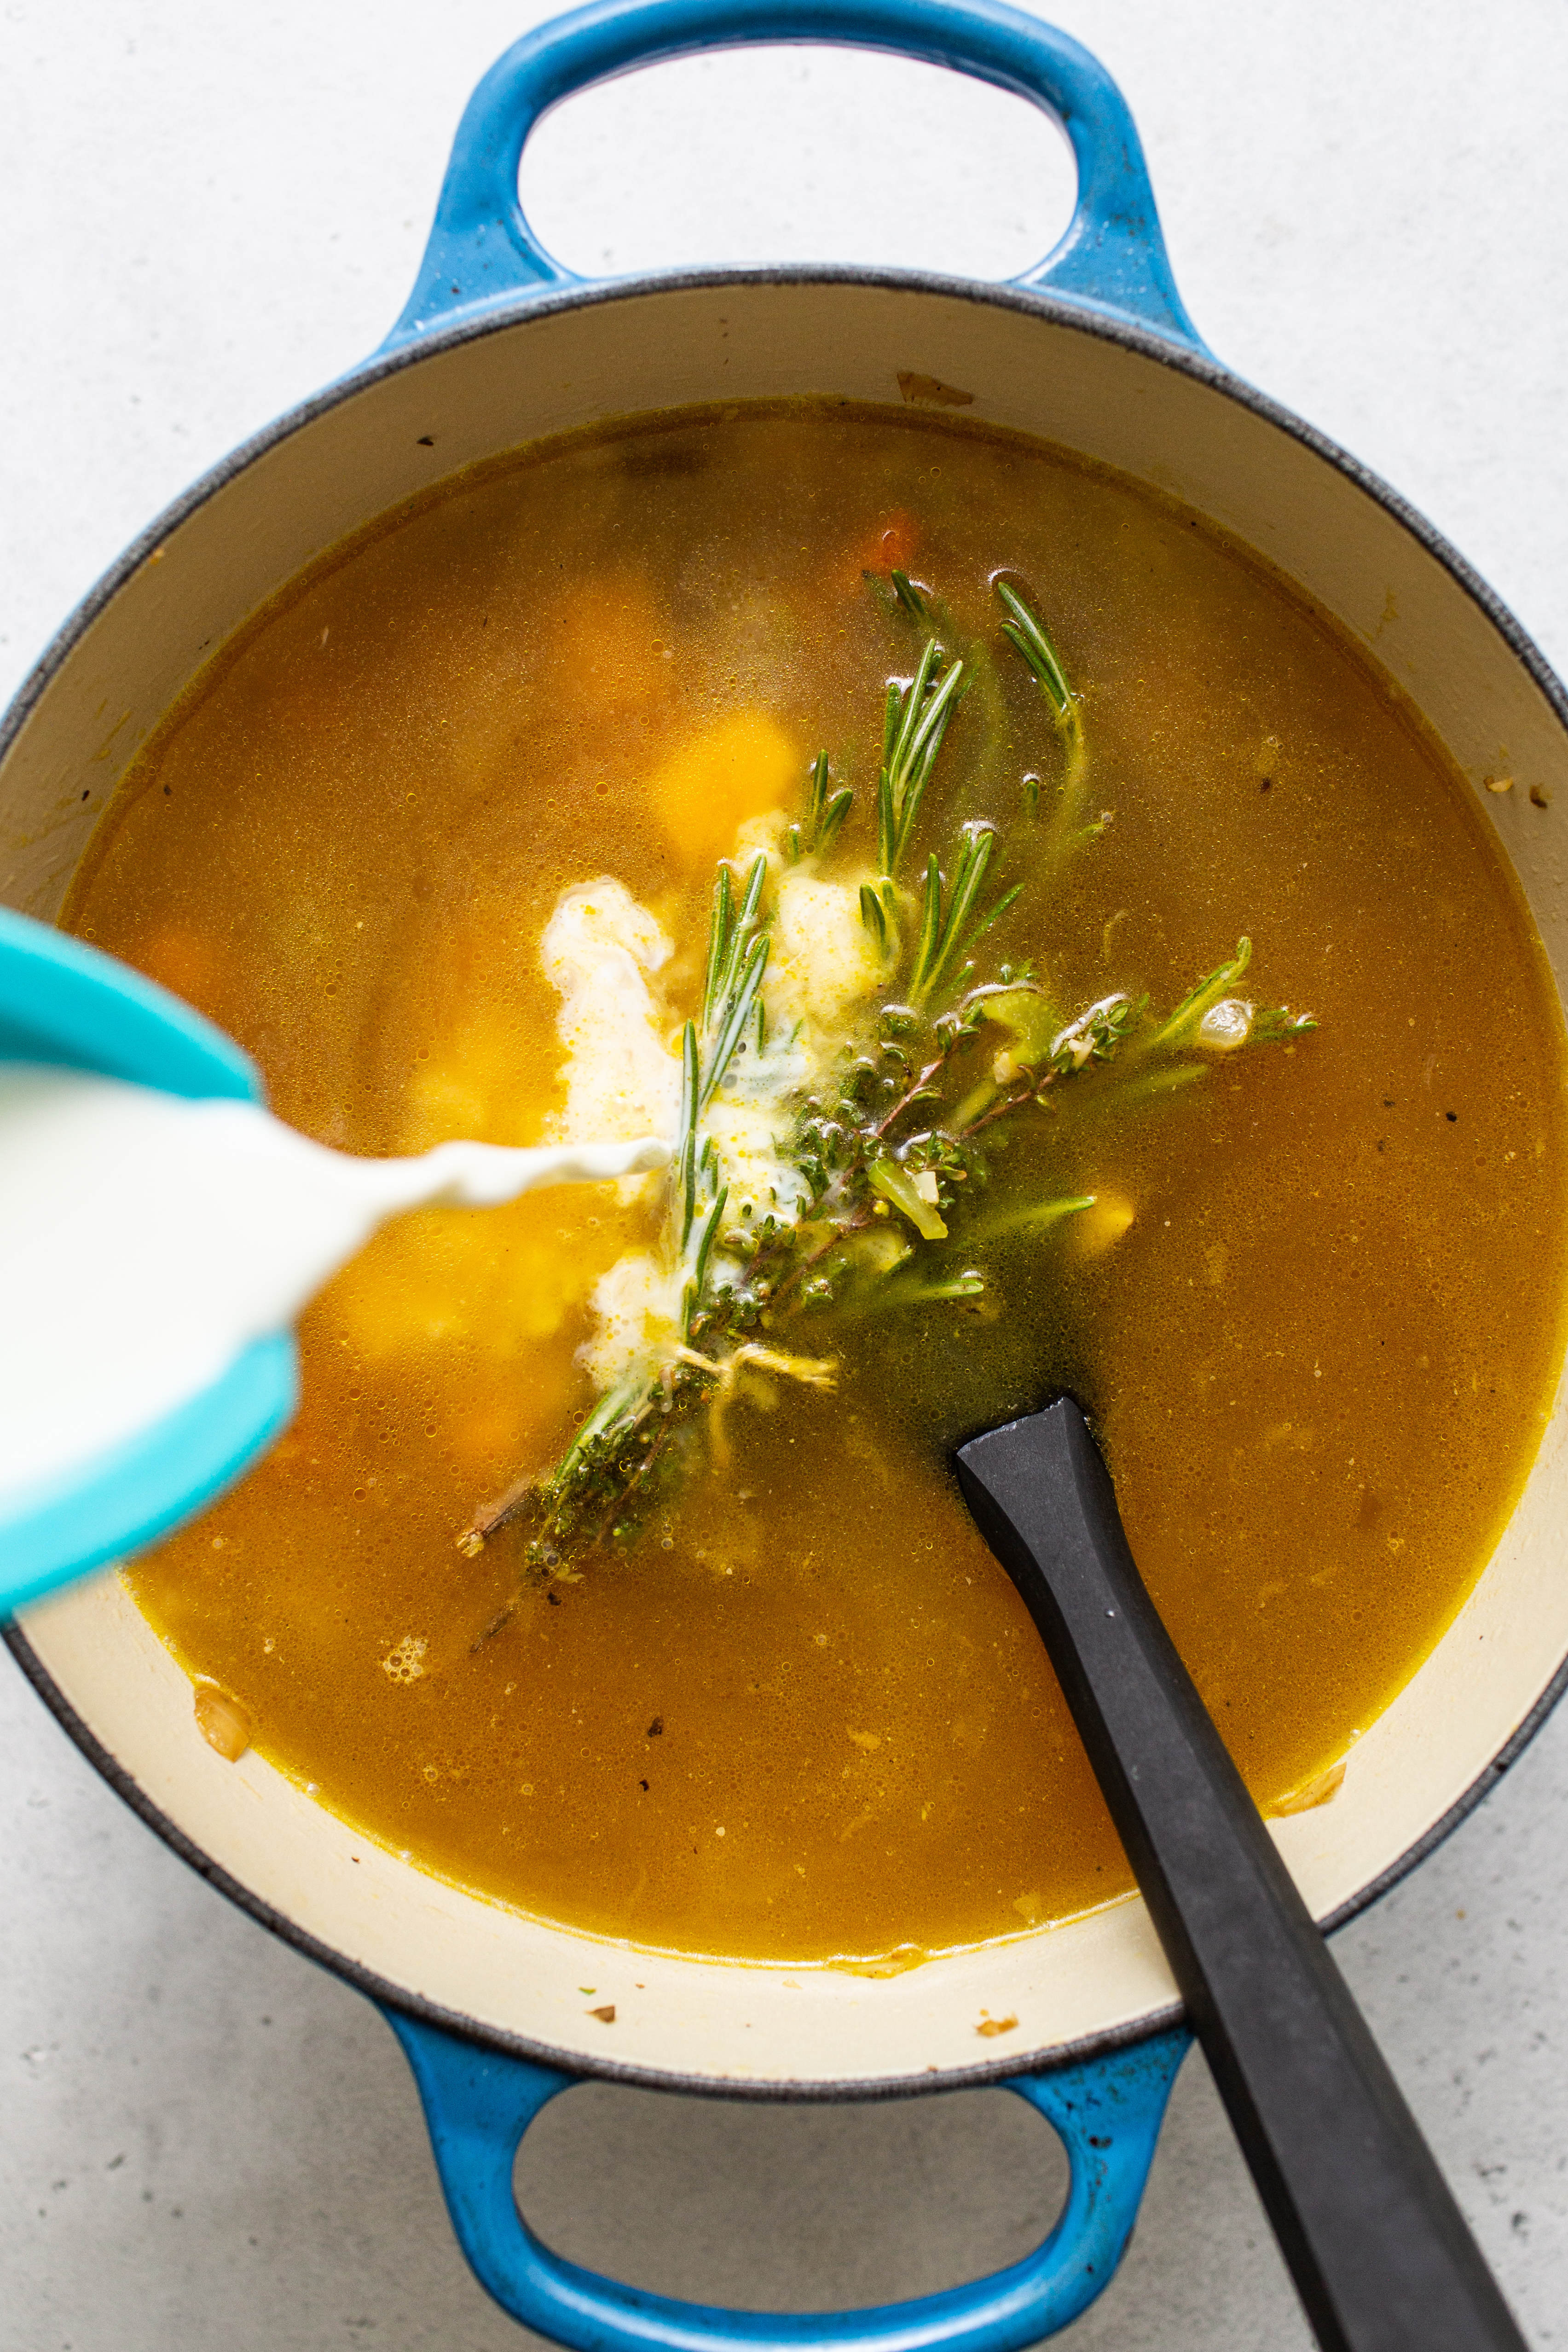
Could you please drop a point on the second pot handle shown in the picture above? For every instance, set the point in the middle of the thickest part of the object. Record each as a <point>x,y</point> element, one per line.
<point>478,2103</point>
<point>1111,259</point>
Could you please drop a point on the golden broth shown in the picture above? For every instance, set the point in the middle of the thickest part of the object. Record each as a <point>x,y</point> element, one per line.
<point>805,1715</point>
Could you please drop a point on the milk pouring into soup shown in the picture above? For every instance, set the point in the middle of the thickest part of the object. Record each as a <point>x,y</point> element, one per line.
<point>943,842</point>
<point>147,1240</point>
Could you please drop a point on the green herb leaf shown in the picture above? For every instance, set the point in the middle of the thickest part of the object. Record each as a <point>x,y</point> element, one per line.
<point>895,1183</point>
<point>915,720</point>
<point>955,1056</point>
<point>1181,1025</point>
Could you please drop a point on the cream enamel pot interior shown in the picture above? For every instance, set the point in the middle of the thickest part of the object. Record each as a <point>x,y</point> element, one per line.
<point>510,370</point>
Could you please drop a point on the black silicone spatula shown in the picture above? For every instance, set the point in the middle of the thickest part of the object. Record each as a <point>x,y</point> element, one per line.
<point>1379,2251</point>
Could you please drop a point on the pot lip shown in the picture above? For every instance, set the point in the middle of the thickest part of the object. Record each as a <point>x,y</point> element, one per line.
<point>387,1995</point>
<point>496,317</point>
<point>781,2090</point>
<point>1080,316</point>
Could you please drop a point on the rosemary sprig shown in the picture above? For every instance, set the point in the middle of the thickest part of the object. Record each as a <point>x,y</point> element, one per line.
<point>948,931</point>
<point>916,718</point>
<point>1212,1017</point>
<point>1034,1216</point>
<point>901,1291</point>
<point>610,1409</point>
<point>912,598</point>
<point>1272,1024</point>
<point>1183,1024</point>
<point>731,935</point>
<point>732,1017</point>
<point>1025,631</point>
<point>697,1273</point>
<point>689,1150</point>
<point>879,912</point>
<point>814,835</point>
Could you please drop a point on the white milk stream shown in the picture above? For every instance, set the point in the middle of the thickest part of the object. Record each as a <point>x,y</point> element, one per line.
<point>145,1241</point>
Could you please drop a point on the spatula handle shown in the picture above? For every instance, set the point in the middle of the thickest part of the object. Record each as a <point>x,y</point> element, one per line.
<point>1378,2248</point>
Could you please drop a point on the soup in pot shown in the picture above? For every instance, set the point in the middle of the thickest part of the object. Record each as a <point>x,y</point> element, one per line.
<point>1061,962</point>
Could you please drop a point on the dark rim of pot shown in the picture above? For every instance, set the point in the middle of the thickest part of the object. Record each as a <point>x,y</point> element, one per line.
<point>496,319</point>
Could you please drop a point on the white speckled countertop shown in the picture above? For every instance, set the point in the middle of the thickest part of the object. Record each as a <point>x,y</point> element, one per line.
<point>206,211</point>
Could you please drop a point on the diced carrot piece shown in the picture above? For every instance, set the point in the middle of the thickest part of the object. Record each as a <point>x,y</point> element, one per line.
<point>890,545</point>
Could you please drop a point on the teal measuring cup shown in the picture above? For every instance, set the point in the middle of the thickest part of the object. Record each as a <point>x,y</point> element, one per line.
<point>66,1004</point>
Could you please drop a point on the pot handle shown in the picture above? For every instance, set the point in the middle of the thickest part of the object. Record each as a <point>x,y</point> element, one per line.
<point>1111,259</point>
<point>478,2103</point>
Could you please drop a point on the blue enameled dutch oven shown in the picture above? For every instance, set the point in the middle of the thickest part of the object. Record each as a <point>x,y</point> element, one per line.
<point>1092,352</point>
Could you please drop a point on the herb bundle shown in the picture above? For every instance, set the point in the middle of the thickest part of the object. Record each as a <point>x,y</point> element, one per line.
<point>881,1149</point>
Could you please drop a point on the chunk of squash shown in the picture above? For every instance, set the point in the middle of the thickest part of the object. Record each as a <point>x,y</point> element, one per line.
<point>739,767</point>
